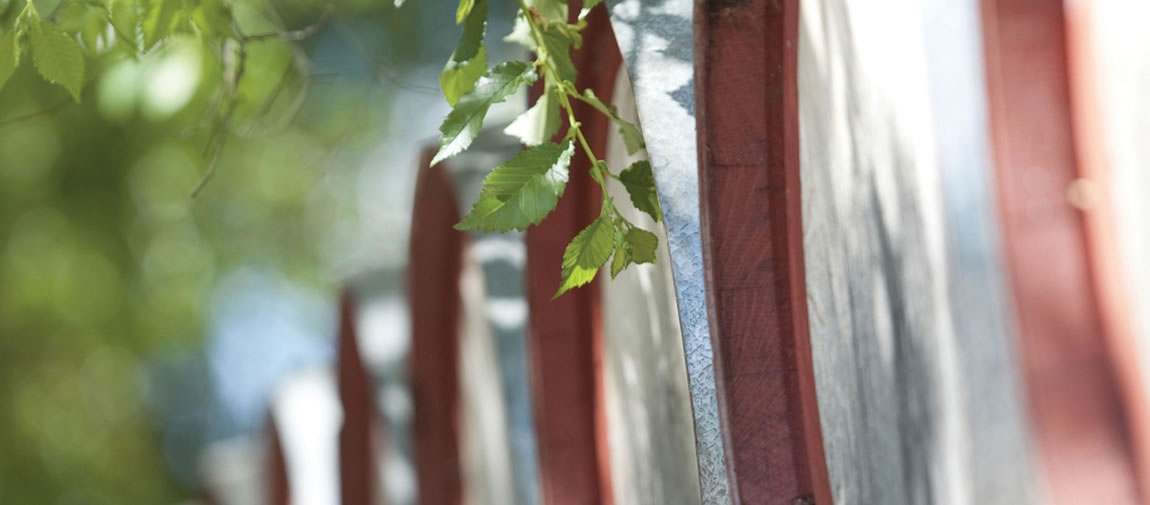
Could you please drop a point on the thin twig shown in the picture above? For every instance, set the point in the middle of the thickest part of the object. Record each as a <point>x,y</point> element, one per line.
<point>294,35</point>
<point>225,129</point>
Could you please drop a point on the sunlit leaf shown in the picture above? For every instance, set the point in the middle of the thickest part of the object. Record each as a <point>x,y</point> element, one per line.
<point>587,253</point>
<point>522,191</point>
<point>57,56</point>
<point>465,121</point>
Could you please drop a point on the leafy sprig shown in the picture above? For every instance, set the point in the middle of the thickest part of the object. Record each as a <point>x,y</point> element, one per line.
<point>60,43</point>
<point>525,189</point>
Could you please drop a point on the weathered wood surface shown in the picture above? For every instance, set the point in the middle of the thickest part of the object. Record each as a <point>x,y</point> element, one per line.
<point>1074,398</point>
<point>1109,49</point>
<point>651,436</point>
<point>656,39</point>
<point>912,354</point>
<point>434,269</point>
<point>752,248</point>
<point>565,337</point>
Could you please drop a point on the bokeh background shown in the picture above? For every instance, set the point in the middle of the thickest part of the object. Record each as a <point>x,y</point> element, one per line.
<point>139,325</point>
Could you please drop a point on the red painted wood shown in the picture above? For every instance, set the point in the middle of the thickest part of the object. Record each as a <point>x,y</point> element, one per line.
<point>357,457</point>
<point>277,487</point>
<point>1074,402</point>
<point>1118,318</point>
<point>747,118</point>
<point>565,336</point>
<point>434,269</point>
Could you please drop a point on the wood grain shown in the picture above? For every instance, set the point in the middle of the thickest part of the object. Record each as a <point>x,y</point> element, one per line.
<point>752,248</point>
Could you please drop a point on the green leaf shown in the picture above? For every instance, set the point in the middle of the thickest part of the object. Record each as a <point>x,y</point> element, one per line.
<point>74,15</point>
<point>469,60</point>
<point>458,79</point>
<point>522,191</point>
<point>632,136</point>
<point>587,6</point>
<point>587,253</point>
<point>9,56</point>
<point>91,32</point>
<point>473,30</point>
<point>557,40</point>
<point>640,184</point>
<point>159,19</point>
<point>56,55</point>
<point>465,121</point>
<point>124,16</point>
<point>464,9</point>
<point>632,247</point>
<point>540,122</point>
<point>642,244</point>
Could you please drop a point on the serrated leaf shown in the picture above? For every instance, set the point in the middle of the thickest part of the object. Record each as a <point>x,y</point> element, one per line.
<point>9,56</point>
<point>587,253</point>
<point>558,41</point>
<point>522,191</point>
<point>641,244</point>
<point>463,10</point>
<point>540,122</point>
<point>465,121</point>
<point>56,55</point>
<point>640,184</point>
<point>587,6</point>
<point>458,79</point>
<point>632,136</point>
<point>159,19</point>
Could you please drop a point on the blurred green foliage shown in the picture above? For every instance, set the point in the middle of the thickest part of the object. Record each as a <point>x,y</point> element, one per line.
<point>105,259</point>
